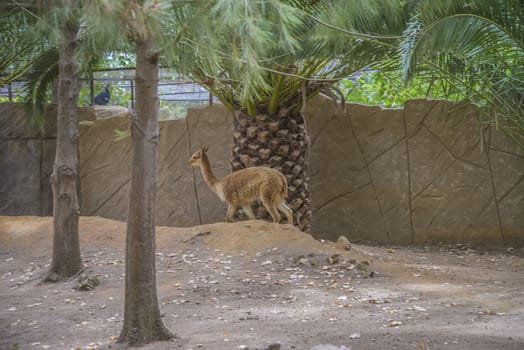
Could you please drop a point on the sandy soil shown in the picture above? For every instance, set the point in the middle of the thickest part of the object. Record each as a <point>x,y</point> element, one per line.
<point>254,284</point>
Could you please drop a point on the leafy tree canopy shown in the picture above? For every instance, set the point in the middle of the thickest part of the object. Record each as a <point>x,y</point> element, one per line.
<point>476,45</point>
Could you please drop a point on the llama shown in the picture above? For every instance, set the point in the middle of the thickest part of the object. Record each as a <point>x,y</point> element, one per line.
<point>244,186</point>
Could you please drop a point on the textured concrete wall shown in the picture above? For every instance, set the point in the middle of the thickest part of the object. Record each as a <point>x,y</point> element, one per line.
<point>422,173</point>
<point>106,166</point>
<point>26,160</point>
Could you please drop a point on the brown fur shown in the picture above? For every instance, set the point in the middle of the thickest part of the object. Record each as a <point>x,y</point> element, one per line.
<point>244,186</point>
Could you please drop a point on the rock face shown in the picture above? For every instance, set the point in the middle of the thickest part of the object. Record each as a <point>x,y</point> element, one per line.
<point>426,172</point>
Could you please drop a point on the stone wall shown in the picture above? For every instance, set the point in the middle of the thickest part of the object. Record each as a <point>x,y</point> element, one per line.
<point>26,160</point>
<point>183,199</point>
<point>426,172</point>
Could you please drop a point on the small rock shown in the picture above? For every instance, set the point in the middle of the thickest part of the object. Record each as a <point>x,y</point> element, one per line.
<point>35,304</point>
<point>302,261</point>
<point>88,282</point>
<point>343,243</point>
<point>362,266</point>
<point>333,259</point>
<point>393,323</point>
<point>51,277</point>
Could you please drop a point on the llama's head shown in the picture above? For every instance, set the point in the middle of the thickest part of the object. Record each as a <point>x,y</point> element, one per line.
<point>196,158</point>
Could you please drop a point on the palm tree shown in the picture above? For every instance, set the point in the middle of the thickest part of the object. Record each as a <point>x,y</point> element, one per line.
<point>273,57</point>
<point>478,46</point>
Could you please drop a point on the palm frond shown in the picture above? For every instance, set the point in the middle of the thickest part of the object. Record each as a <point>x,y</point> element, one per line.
<point>476,45</point>
<point>40,78</point>
<point>258,53</point>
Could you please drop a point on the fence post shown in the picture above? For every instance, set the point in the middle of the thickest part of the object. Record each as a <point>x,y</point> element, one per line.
<point>92,90</point>
<point>132,94</point>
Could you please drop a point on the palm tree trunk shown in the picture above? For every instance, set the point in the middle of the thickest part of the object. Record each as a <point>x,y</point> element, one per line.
<point>279,141</point>
<point>66,260</point>
<point>142,319</point>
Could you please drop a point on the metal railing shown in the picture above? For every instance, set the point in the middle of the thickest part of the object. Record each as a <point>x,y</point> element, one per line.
<point>172,88</point>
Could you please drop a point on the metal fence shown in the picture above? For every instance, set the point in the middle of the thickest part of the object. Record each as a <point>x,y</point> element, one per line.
<point>175,92</point>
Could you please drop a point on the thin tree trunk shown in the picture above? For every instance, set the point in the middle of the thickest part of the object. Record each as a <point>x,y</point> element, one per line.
<point>278,141</point>
<point>64,179</point>
<point>142,319</point>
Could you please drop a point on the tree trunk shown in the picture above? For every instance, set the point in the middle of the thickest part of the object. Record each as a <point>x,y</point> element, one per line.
<point>64,179</point>
<point>54,91</point>
<point>142,320</point>
<point>279,141</point>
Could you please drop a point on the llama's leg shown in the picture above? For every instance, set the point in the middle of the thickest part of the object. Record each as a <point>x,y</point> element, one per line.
<point>282,206</point>
<point>270,207</point>
<point>248,210</point>
<point>230,211</point>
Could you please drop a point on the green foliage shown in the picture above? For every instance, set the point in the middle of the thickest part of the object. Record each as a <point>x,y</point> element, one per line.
<point>18,96</point>
<point>40,78</point>
<point>31,33</point>
<point>478,46</point>
<point>18,49</point>
<point>116,59</point>
<point>387,88</point>
<point>177,109</point>
<point>229,43</point>
<point>262,55</point>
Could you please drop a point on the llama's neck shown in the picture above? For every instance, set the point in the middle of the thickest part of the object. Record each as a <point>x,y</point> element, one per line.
<point>207,173</point>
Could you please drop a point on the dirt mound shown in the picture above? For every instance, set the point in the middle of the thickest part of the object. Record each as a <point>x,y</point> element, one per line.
<point>250,237</point>
<point>245,236</point>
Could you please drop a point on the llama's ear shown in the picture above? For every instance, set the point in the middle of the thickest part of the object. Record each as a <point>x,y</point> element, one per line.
<point>204,149</point>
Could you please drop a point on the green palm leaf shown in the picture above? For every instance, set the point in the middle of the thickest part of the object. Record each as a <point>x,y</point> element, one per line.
<point>478,46</point>
<point>40,78</point>
<point>267,49</point>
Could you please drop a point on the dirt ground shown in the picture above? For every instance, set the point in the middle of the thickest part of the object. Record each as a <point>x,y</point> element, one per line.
<point>258,285</point>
